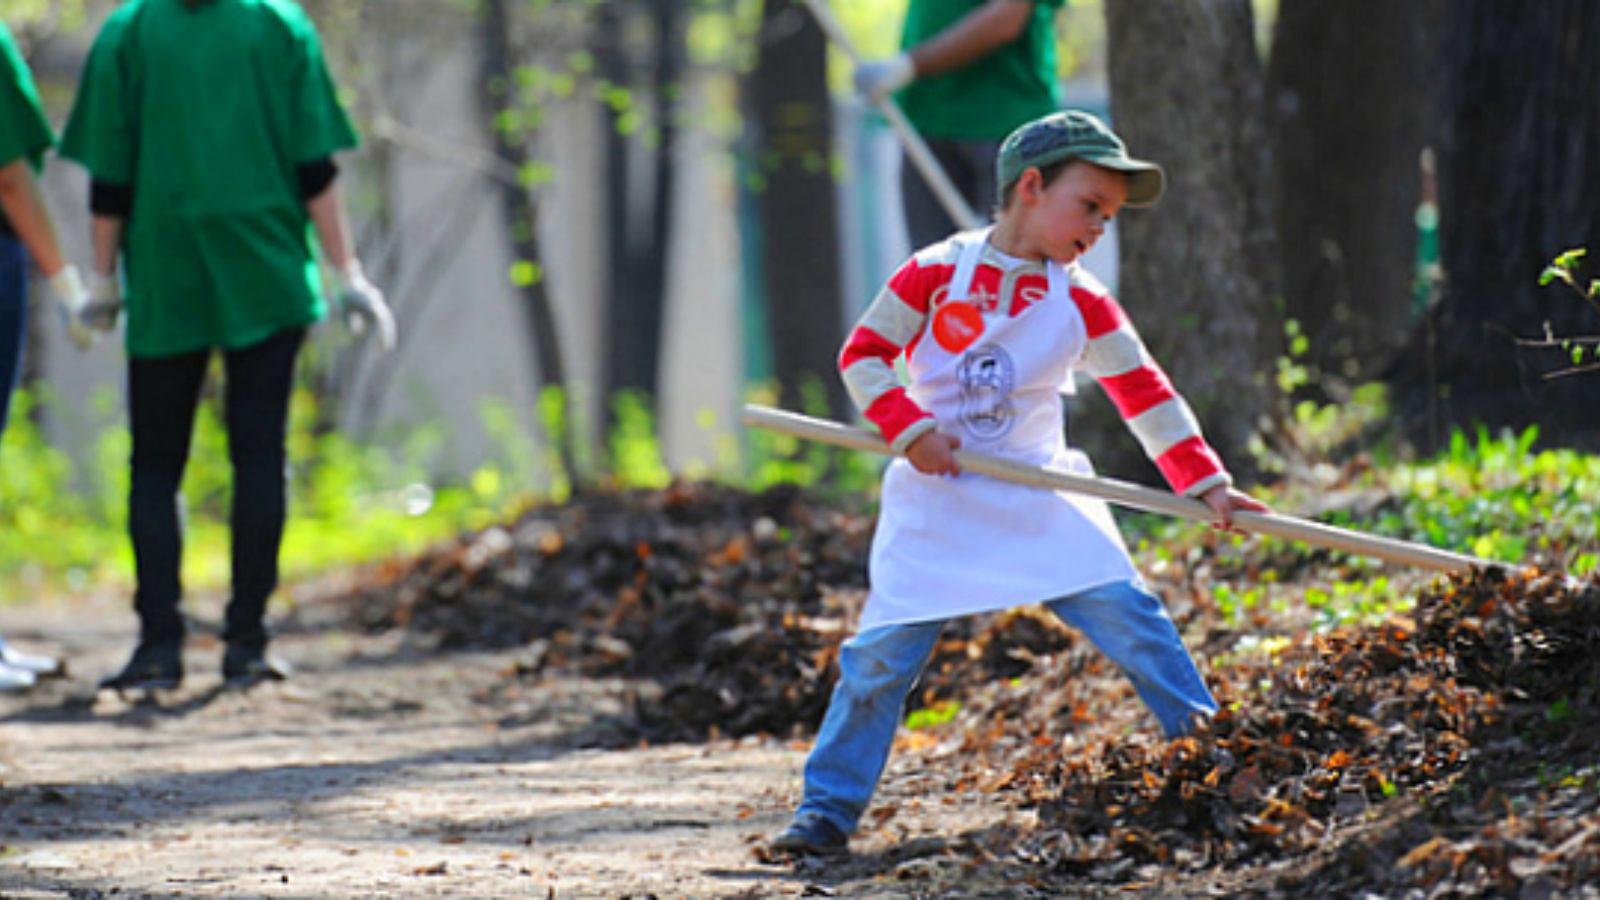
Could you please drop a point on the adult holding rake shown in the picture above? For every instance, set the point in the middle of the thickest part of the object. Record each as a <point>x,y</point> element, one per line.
<point>208,128</point>
<point>968,74</point>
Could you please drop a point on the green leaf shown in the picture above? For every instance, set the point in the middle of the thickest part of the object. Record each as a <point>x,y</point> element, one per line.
<point>525,273</point>
<point>1569,259</point>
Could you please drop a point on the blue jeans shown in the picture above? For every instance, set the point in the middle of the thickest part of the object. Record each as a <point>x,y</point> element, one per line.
<point>14,265</point>
<point>878,667</point>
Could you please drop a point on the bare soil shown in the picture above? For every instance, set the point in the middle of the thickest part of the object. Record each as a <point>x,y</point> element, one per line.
<point>385,771</point>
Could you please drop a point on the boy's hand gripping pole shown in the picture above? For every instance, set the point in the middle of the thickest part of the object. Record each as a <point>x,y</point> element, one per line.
<point>916,148</point>
<point>1136,496</point>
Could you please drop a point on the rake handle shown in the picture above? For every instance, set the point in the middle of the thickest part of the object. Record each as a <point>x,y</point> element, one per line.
<point>1134,496</point>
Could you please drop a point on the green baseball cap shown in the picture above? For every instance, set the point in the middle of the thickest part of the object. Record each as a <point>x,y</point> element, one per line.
<point>1076,135</point>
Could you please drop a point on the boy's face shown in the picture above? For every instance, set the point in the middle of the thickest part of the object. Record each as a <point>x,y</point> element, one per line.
<point>1064,219</point>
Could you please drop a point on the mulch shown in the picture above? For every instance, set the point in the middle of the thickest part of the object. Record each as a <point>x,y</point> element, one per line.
<point>1447,753</point>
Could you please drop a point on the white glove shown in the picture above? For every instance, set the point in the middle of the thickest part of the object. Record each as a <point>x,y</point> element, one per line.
<point>105,302</point>
<point>877,80</point>
<point>72,298</point>
<point>363,307</point>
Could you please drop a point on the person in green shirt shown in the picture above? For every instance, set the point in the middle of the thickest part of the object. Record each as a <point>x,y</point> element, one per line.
<point>208,128</point>
<point>27,236</point>
<point>969,73</point>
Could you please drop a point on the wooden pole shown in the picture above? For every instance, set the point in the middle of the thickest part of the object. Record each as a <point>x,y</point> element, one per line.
<point>1136,496</point>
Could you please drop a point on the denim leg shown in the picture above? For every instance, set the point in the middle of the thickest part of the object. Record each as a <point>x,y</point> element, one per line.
<point>13,318</point>
<point>877,668</point>
<point>1131,627</point>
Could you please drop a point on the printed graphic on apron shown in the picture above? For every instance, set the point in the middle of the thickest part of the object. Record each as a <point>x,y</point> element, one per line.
<point>987,376</point>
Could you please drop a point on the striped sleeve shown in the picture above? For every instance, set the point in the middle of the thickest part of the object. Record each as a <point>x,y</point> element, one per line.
<point>1144,396</point>
<point>890,327</point>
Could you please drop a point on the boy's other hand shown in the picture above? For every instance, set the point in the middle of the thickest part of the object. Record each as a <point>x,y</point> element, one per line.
<point>1224,500</point>
<point>934,454</point>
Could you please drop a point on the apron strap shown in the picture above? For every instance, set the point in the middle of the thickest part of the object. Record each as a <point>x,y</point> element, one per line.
<point>967,265</point>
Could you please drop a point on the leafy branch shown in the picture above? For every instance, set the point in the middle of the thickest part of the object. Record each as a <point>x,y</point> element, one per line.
<point>1584,351</point>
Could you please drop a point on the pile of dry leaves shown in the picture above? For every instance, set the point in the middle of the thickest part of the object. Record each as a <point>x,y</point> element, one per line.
<point>1451,753</point>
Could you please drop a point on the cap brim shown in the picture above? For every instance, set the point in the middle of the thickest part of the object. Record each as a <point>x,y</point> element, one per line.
<point>1146,181</point>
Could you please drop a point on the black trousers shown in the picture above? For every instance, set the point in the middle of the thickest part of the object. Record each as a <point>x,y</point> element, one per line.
<point>970,168</point>
<point>163,395</point>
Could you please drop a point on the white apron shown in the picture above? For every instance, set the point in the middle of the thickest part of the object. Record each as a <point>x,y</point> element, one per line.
<point>947,546</point>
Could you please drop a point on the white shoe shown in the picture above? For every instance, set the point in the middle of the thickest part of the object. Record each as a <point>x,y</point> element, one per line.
<point>14,679</point>
<point>28,662</point>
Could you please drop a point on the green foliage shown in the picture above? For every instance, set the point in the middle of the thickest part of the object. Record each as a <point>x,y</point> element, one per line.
<point>1564,268</point>
<point>1582,352</point>
<point>933,716</point>
<point>44,15</point>
<point>1493,496</point>
<point>350,503</point>
<point>776,458</point>
<point>635,452</point>
<point>1292,374</point>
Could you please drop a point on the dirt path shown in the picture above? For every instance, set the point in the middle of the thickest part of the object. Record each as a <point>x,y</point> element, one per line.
<point>382,771</point>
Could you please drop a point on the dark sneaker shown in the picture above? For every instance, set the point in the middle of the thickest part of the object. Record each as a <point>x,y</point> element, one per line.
<point>154,667</point>
<point>810,835</point>
<point>246,666</point>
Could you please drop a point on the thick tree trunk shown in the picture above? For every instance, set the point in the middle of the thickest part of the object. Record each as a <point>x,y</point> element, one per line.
<point>1349,89</point>
<point>791,114</point>
<point>1518,183</point>
<point>1197,273</point>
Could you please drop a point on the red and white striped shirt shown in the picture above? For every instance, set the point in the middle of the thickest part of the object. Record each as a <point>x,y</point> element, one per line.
<point>897,321</point>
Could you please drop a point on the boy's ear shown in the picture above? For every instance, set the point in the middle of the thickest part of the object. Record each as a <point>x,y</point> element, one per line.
<point>1029,183</point>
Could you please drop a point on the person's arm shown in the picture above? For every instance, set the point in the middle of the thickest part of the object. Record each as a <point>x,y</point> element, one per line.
<point>24,208</point>
<point>326,209</point>
<point>1157,415</point>
<point>361,304</point>
<point>105,232</point>
<point>867,361</point>
<point>1154,410</point>
<point>972,37</point>
<point>967,40</point>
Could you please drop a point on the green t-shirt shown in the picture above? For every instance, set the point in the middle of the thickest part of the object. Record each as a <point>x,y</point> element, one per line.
<point>988,99</point>
<point>24,130</point>
<point>206,112</point>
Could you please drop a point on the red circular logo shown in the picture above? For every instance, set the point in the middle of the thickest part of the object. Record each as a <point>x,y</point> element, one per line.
<point>956,325</point>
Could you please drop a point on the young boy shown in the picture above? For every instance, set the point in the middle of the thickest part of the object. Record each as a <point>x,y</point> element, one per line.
<point>991,324</point>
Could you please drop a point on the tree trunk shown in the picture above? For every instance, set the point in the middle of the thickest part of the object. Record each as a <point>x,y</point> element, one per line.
<point>638,203</point>
<point>1518,183</point>
<point>671,63</point>
<point>1350,86</point>
<point>791,114</point>
<point>522,223</point>
<point>1197,273</point>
